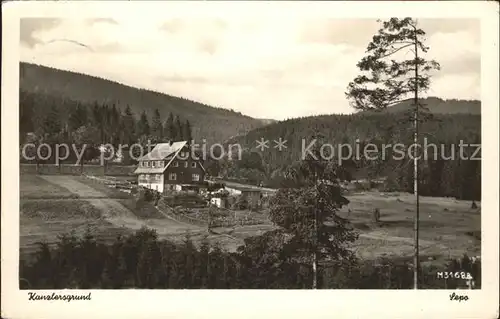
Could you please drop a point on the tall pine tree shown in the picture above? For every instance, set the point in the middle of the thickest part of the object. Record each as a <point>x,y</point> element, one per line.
<point>52,122</point>
<point>143,128</point>
<point>115,125</point>
<point>388,78</point>
<point>187,135</point>
<point>157,126</point>
<point>26,114</point>
<point>171,132</point>
<point>128,127</point>
<point>178,128</point>
<point>78,117</point>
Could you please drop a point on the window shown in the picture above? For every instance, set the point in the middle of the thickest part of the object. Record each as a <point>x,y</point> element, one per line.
<point>175,164</point>
<point>196,178</point>
<point>147,164</point>
<point>160,163</point>
<point>158,177</point>
<point>153,164</point>
<point>172,176</point>
<point>147,176</point>
<point>185,164</point>
<point>141,164</point>
<point>193,164</point>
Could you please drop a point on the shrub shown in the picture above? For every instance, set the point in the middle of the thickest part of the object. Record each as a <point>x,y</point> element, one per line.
<point>376,215</point>
<point>141,260</point>
<point>241,203</point>
<point>148,195</point>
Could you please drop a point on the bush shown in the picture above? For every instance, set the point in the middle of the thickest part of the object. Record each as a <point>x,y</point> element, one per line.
<point>241,203</point>
<point>362,186</point>
<point>215,186</point>
<point>141,260</point>
<point>148,195</point>
<point>376,215</point>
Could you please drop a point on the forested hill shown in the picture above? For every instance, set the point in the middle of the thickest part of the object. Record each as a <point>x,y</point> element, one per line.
<point>442,178</point>
<point>212,123</point>
<point>436,105</point>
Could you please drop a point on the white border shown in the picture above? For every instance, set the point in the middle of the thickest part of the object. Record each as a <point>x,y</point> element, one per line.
<point>247,303</point>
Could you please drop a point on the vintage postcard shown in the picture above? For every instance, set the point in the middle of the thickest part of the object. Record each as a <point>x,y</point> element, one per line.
<point>250,159</point>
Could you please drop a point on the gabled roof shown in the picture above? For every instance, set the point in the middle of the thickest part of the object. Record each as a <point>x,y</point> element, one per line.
<point>162,150</point>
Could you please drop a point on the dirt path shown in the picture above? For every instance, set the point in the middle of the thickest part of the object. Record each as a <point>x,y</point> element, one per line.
<point>116,213</point>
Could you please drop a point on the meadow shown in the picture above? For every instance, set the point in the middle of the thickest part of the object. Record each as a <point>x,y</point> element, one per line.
<point>447,227</point>
<point>51,205</point>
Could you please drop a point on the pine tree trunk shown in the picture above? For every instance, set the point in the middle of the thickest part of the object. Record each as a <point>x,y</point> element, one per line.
<point>315,252</point>
<point>37,160</point>
<point>415,173</point>
<point>315,271</point>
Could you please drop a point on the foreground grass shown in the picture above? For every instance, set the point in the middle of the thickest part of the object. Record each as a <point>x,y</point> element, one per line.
<point>448,227</point>
<point>43,220</point>
<point>36,187</point>
<point>110,192</point>
<point>58,209</point>
<point>142,260</point>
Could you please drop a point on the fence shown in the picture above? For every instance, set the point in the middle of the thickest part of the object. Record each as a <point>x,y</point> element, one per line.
<point>72,169</point>
<point>225,222</point>
<point>120,185</point>
<point>170,212</point>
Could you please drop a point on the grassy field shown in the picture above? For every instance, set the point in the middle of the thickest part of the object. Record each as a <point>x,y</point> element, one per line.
<point>75,203</point>
<point>446,228</point>
<point>36,187</point>
<point>48,210</point>
<point>53,205</point>
<point>46,219</point>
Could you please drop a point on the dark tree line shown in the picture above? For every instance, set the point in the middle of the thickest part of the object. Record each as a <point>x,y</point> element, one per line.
<point>143,261</point>
<point>444,172</point>
<point>55,120</point>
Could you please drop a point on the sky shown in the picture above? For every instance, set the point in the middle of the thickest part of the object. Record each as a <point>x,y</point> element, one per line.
<point>264,68</point>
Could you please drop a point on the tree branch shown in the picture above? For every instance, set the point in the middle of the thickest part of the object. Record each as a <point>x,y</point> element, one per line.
<point>395,51</point>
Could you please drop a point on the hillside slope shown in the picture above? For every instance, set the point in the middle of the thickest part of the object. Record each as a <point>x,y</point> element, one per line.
<point>436,105</point>
<point>440,177</point>
<point>211,123</point>
<point>392,127</point>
